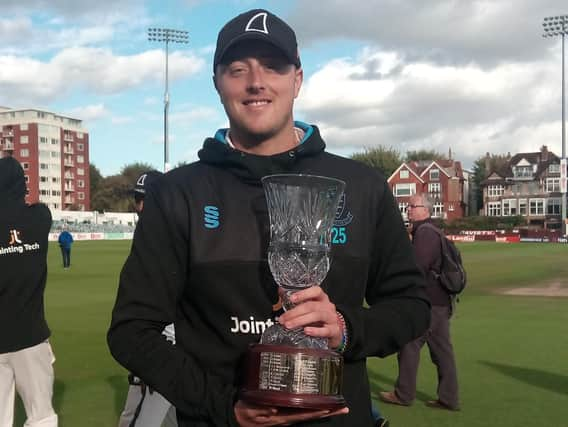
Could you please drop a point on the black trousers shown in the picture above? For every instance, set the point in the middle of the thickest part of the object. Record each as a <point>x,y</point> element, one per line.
<point>66,254</point>
<point>442,355</point>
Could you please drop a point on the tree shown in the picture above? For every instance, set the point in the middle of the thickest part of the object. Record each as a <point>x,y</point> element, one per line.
<point>113,193</point>
<point>95,178</point>
<point>482,168</point>
<point>386,160</point>
<point>417,155</point>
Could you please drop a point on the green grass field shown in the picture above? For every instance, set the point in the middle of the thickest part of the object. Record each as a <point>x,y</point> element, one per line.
<point>512,351</point>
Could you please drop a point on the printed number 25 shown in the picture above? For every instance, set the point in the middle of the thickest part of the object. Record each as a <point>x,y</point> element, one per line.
<point>338,235</point>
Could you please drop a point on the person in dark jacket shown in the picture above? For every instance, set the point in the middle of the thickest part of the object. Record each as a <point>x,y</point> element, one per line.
<point>199,254</point>
<point>145,407</point>
<point>428,250</point>
<point>26,357</point>
<point>65,240</point>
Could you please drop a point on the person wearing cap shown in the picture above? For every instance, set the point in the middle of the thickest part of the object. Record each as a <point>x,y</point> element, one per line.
<point>26,357</point>
<point>145,407</point>
<point>199,253</point>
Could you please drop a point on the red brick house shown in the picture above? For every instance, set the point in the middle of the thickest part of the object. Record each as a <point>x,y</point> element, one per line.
<point>443,180</point>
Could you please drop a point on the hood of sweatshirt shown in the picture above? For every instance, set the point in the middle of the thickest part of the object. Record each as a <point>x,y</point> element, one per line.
<point>12,181</point>
<point>250,167</point>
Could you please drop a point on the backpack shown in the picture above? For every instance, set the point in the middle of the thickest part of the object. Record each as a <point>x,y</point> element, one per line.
<point>452,276</point>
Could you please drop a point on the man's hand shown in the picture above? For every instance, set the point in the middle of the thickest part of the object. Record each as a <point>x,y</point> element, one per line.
<point>263,416</point>
<point>315,313</point>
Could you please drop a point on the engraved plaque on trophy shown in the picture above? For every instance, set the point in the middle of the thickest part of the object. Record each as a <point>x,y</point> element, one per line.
<point>289,368</point>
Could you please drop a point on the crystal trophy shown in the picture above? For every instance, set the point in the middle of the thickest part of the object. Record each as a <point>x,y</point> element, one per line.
<point>288,368</point>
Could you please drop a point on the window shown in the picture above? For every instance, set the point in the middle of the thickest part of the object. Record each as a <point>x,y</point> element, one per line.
<point>81,196</point>
<point>438,210</point>
<point>523,207</point>
<point>44,192</point>
<point>509,207</point>
<point>55,154</point>
<point>43,179</point>
<point>80,146</point>
<point>404,174</point>
<point>80,159</point>
<point>434,187</point>
<point>27,178</point>
<point>25,166</point>
<point>80,135</point>
<point>494,190</point>
<point>494,209</point>
<point>24,139</point>
<point>536,206</point>
<point>80,171</point>
<point>43,166</point>
<point>523,171</point>
<point>24,126</point>
<point>56,193</point>
<point>80,184</point>
<point>554,168</point>
<point>405,189</point>
<point>434,174</point>
<point>56,180</point>
<point>553,207</point>
<point>552,184</point>
<point>54,141</point>
<point>43,140</point>
<point>24,152</point>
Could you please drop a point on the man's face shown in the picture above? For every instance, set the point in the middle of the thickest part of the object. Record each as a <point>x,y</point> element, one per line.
<point>416,209</point>
<point>138,203</point>
<point>257,86</point>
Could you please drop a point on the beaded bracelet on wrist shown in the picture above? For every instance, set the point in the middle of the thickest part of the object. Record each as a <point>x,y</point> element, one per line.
<point>344,339</point>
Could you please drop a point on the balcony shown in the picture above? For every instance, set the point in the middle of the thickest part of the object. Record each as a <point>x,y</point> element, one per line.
<point>68,137</point>
<point>68,150</point>
<point>69,188</point>
<point>68,163</point>
<point>8,146</point>
<point>69,200</point>
<point>69,175</point>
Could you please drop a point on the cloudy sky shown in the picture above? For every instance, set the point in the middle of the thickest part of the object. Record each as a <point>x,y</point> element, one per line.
<point>470,75</point>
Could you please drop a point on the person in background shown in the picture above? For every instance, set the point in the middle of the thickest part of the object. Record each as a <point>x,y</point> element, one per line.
<point>65,241</point>
<point>26,357</point>
<point>145,407</point>
<point>199,254</point>
<point>428,251</point>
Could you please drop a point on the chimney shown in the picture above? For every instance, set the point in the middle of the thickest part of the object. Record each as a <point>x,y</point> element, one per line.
<point>450,153</point>
<point>544,153</point>
<point>487,164</point>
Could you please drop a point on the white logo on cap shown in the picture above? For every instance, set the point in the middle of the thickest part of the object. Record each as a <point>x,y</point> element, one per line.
<point>260,26</point>
<point>141,180</point>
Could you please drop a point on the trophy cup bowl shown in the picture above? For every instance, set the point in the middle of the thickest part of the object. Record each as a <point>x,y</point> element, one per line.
<point>288,368</point>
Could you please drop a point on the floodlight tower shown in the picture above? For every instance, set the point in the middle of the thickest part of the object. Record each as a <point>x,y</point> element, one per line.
<point>558,26</point>
<point>167,35</point>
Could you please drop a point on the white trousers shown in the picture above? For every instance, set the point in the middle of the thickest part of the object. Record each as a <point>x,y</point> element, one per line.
<point>155,410</point>
<point>30,373</point>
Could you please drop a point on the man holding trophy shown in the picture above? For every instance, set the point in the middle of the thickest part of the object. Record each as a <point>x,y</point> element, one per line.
<point>266,219</point>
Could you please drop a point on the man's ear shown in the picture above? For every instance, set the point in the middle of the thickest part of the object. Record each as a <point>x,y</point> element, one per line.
<point>298,79</point>
<point>217,88</point>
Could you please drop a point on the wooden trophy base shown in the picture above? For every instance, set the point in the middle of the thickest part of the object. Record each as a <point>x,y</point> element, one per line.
<point>293,377</point>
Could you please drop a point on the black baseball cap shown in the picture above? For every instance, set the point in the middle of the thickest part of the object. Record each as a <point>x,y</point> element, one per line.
<point>145,180</point>
<point>257,24</point>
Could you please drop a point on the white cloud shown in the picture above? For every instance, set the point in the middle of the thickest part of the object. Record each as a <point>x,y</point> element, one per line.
<point>121,120</point>
<point>97,70</point>
<point>89,113</point>
<point>378,98</point>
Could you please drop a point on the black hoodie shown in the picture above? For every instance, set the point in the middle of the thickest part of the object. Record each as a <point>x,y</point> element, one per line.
<point>199,259</point>
<point>23,268</point>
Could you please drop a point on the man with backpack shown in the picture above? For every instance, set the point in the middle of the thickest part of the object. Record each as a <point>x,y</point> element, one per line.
<point>431,251</point>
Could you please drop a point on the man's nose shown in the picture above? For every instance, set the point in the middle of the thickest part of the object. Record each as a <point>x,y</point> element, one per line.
<point>255,79</point>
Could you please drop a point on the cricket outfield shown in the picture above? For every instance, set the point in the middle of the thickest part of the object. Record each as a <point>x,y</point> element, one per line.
<point>509,334</point>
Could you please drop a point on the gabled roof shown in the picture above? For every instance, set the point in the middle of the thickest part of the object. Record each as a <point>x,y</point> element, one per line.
<point>404,166</point>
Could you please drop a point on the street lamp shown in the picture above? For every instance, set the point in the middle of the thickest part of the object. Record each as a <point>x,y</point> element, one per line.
<point>168,36</point>
<point>558,26</point>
